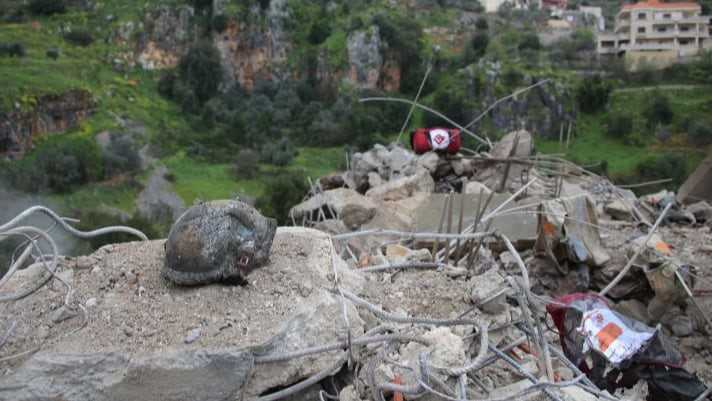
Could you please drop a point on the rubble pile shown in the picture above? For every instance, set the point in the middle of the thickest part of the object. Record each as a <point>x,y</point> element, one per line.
<point>469,277</point>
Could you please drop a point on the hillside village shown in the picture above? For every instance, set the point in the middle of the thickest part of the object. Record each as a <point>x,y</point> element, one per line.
<point>355,200</point>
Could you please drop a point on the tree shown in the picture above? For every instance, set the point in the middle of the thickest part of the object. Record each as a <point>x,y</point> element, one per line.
<point>658,110</point>
<point>79,38</point>
<point>700,133</point>
<point>201,5</point>
<point>530,41</point>
<point>58,165</point>
<point>47,7</point>
<point>404,37</point>
<point>281,193</point>
<point>619,125</point>
<point>121,156</point>
<point>476,48</point>
<point>201,71</point>
<point>592,94</point>
<point>702,68</point>
<point>246,165</point>
<point>219,23</point>
<point>667,165</point>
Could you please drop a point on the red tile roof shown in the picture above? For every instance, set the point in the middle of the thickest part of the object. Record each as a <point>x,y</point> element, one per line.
<point>657,4</point>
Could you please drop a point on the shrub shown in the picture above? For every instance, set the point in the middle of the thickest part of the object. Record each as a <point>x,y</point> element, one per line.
<point>93,219</point>
<point>481,24</point>
<point>201,5</point>
<point>702,68</point>
<point>166,83</point>
<point>619,125</point>
<point>200,70</point>
<point>404,37</point>
<point>121,156</point>
<point>530,41</point>
<point>47,7</point>
<point>52,53</point>
<point>79,38</point>
<point>319,31</point>
<point>667,165</point>
<point>281,193</point>
<point>246,165</point>
<point>219,23</point>
<point>658,110</point>
<point>12,50</point>
<point>57,166</point>
<point>280,153</point>
<point>700,133</point>
<point>476,48</point>
<point>592,94</point>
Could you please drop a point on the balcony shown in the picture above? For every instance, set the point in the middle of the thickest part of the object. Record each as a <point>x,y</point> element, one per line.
<point>648,46</point>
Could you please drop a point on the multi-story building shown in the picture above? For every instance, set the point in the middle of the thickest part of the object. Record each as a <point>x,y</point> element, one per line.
<point>676,29</point>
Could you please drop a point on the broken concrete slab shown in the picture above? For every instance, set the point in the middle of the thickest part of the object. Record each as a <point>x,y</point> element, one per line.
<point>113,376</point>
<point>520,228</point>
<point>619,210</point>
<point>701,210</point>
<point>698,185</point>
<point>474,187</point>
<point>505,146</point>
<point>286,306</point>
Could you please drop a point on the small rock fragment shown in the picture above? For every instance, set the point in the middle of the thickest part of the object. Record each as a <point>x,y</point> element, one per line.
<point>84,263</point>
<point>62,313</point>
<point>193,336</point>
<point>349,393</point>
<point>91,302</point>
<point>681,326</point>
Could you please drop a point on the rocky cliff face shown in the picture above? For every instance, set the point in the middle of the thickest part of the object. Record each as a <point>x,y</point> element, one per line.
<point>51,114</point>
<point>370,66</point>
<point>542,110</point>
<point>166,37</point>
<point>257,48</point>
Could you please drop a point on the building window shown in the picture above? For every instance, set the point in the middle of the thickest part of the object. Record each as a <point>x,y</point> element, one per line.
<point>642,16</point>
<point>667,16</point>
<point>662,30</point>
<point>641,29</point>
<point>684,28</point>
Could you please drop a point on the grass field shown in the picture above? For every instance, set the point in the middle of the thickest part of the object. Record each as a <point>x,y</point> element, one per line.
<point>592,145</point>
<point>201,180</point>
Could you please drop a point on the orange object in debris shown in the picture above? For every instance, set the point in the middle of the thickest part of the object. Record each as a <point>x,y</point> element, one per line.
<point>549,229</point>
<point>397,396</point>
<point>525,347</point>
<point>663,247</point>
<point>608,334</point>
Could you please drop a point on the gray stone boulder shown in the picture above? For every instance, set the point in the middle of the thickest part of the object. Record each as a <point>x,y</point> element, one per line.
<point>218,241</point>
<point>404,187</point>
<point>429,161</point>
<point>354,215</point>
<point>341,201</point>
<point>619,210</point>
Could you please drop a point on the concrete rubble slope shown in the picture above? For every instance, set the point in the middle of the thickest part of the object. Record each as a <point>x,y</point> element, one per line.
<point>402,306</point>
